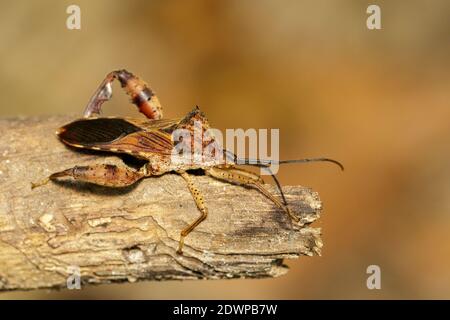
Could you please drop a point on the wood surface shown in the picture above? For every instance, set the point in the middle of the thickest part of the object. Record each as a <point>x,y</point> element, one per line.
<point>131,234</point>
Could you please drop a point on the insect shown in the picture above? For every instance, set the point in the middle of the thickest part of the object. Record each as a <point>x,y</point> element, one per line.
<point>151,140</point>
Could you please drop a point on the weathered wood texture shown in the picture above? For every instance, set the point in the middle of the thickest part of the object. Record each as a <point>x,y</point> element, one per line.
<point>132,234</point>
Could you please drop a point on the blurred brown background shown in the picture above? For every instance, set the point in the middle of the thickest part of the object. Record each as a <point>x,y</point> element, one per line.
<point>376,100</point>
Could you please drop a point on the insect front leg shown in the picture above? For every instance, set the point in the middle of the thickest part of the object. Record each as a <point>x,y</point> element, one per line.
<point>100,174</point>
<point>141,95</point>
<point>244,177</point>
<point>199,201</point>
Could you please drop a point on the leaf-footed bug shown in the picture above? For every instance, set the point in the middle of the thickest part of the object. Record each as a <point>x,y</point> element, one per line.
<point>152,140</point>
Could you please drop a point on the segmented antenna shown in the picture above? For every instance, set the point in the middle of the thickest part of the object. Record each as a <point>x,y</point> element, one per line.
<point>267,163</point>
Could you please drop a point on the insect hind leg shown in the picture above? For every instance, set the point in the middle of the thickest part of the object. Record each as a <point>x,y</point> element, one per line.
<point>141,95</point>
<point>100,174</point>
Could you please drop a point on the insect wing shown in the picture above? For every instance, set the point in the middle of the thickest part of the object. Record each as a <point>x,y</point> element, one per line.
<point>117,135</point>
<point>91,132</point>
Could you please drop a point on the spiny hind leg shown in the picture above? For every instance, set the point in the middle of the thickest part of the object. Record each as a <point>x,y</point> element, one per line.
<point>141,95</point>
<point>100,174</point>
<point>244,177</point>
<point>199,201</point>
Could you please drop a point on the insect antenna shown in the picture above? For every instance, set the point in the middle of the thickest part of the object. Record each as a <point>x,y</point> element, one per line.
<point>266,163</point>
<point>274,177</point>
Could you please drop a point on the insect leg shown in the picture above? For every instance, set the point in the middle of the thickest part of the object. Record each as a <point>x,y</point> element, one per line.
<point>198,198</point>
<point>100,174</point>
<point>141,95</point>
<point>244,177</point>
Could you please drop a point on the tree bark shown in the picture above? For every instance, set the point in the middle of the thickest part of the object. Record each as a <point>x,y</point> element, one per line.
<point>131,234</point>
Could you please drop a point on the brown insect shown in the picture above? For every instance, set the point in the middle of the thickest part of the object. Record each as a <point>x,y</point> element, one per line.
<point>152,140</point>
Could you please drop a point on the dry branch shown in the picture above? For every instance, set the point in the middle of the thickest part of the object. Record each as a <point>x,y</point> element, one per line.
<point>132,234</point>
